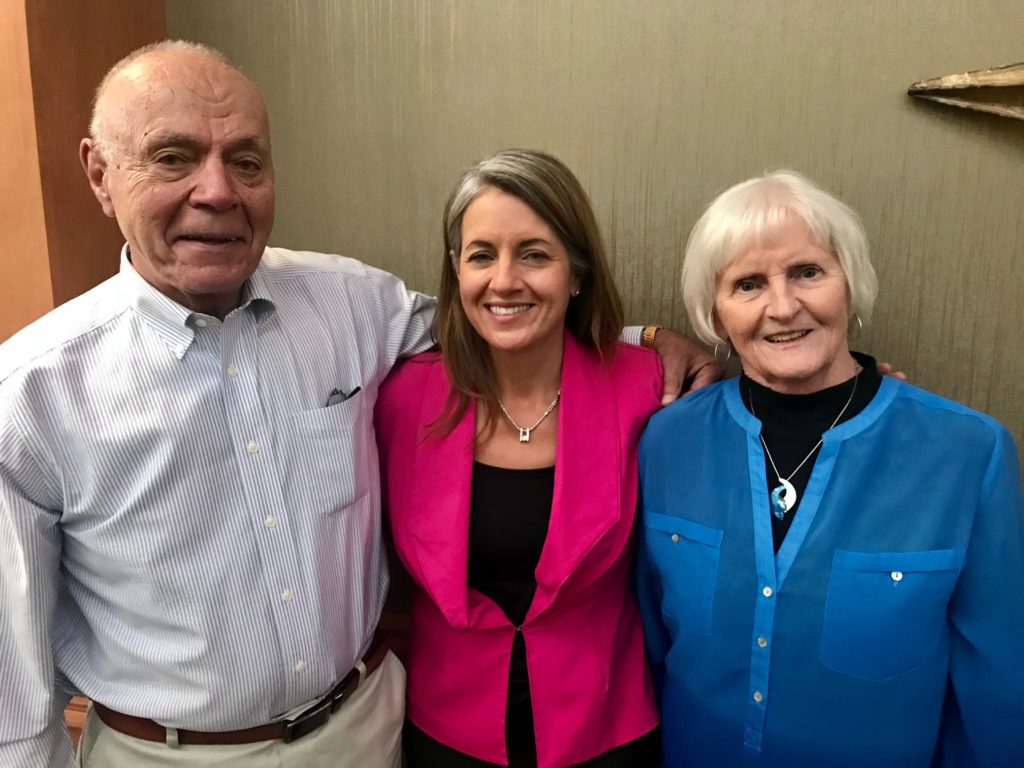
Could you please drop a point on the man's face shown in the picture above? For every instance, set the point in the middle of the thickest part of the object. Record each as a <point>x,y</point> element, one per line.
<point>187,173</point>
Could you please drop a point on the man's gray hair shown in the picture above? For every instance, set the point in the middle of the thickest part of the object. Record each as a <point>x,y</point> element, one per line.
<point>98,132</point>
<point>753,212</point>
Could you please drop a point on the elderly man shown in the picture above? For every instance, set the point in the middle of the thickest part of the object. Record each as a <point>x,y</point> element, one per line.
<point>189,500</point>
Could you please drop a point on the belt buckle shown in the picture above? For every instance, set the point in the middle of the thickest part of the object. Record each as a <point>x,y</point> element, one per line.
<point>318,715</point>
<point>306,723</point>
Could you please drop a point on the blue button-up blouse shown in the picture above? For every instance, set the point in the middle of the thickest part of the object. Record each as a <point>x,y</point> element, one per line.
<point>888,630</point>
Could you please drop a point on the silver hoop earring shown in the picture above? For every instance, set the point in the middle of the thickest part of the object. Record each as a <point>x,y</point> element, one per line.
<point>860,327</point>
<point>728,353</point>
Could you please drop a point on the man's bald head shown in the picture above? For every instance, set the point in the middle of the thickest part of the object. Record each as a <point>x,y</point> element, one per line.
<point>180,156</point>
<point>136,72</point>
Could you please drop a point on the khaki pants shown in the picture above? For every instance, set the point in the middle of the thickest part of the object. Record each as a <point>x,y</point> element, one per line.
<point>365,732</point>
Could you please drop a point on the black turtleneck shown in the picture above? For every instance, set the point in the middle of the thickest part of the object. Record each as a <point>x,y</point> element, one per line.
<point>792,424</point>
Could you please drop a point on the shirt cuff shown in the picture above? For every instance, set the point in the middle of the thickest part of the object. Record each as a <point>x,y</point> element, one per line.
<point>632,334</point>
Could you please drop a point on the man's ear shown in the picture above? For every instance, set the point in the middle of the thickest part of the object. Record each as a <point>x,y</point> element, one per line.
<point>95,167</point>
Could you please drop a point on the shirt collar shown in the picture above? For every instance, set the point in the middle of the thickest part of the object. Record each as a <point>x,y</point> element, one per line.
<point>256,295</point>
<point>172,322</point>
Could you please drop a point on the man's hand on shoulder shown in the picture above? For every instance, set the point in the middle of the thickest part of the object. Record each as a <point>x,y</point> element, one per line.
<point>687,366</point>
<point>886,370</point>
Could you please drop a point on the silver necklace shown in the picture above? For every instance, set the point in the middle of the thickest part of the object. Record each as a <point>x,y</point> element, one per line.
<point>784,495</point>
<point>524,432</point>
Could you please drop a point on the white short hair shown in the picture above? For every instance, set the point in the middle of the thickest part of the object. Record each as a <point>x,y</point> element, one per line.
<point>752,213</point>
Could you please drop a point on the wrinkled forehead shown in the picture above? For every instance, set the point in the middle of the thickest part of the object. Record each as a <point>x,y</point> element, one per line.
<point>183,93</point>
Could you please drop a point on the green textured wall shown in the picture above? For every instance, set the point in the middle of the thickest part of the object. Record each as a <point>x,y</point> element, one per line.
<point>377,106</point>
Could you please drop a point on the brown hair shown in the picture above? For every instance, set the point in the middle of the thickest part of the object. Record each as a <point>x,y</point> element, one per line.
<point>594,317</point>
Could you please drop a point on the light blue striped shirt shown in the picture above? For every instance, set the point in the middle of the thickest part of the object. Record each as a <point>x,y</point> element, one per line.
<point>187,531</point>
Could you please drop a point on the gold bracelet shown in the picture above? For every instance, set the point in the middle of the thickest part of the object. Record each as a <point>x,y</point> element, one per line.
<point>647,339</point>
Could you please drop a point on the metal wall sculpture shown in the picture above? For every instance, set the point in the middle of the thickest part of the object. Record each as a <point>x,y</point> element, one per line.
<point>998,91</point>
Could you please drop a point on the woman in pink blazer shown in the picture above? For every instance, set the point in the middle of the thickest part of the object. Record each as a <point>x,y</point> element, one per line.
<point>509,464</point>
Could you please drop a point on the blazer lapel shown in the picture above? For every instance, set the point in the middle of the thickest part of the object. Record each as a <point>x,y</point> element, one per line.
<point>587,496</point>
<point>437,519</point>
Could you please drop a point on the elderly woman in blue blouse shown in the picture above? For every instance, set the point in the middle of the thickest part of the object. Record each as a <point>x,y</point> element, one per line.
<point>832,562</point>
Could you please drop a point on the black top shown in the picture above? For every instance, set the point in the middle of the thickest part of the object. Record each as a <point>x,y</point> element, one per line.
<point>792,424</point>
<point>509,512</point>
<point>508,522</point>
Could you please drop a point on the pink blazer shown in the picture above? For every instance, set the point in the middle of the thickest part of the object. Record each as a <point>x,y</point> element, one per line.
<point>589,683</point>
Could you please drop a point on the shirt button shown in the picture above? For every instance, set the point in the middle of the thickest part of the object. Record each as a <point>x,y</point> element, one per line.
<point>232,371</point>
<point>300,666</point>
<point>200,323</point>
<point>762,642</point>
<point>253,447</point>
<point>675,538</point>
<point>767,591</point>
<point>758,697</point>
<point>287,596</point>
<point>270,522</point>
<point>897,575</point>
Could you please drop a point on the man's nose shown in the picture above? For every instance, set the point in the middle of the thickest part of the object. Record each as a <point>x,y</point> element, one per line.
<point>214,185</point>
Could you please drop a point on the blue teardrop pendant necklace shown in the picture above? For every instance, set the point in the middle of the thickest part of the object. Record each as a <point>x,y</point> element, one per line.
<point>784,495</point>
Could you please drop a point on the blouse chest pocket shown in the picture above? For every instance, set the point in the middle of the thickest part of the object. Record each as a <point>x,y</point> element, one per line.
<point>329,447</point>
<point>885,612</point>
<point>686,556</point>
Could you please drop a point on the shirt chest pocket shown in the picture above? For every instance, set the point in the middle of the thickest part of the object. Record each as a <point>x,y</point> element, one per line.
<point>686,556</point>
<point>330,447</point>
<point>885,612</point>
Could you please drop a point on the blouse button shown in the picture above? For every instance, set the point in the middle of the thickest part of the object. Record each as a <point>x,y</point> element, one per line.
<point>675,538</point>
<point>896,575</point>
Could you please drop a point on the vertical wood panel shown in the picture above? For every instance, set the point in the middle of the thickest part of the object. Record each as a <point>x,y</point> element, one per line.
<point>377,105</point>
<point>53,55</point>
<point>71,46</point>
<point>24,267</point>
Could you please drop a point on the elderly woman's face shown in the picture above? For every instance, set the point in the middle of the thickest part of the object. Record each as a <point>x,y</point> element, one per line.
<point>784,306</point>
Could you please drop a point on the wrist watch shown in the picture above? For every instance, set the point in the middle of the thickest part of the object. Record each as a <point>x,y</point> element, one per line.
<point>647,339</point>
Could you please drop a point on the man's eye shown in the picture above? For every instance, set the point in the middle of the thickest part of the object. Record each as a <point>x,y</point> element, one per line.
<point>248,165</point>
<point>170,161</point>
